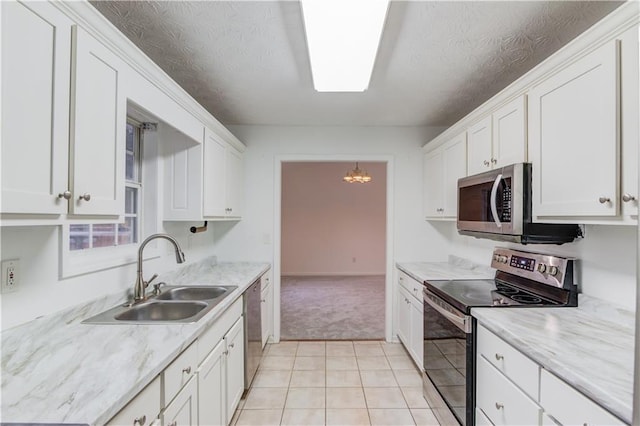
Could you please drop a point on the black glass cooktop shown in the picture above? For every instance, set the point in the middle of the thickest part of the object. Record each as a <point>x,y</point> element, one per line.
<point>464,294</point>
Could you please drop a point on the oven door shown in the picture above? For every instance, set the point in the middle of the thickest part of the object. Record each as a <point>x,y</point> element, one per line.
<point>493,201</point>
<point>448,361</point>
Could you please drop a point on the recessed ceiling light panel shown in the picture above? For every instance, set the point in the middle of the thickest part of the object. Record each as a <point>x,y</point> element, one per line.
<point>343,38</point>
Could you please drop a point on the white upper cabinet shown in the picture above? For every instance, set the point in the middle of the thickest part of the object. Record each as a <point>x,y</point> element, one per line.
<point>499,139</point>
<point>98,123</point>
<point>36,58</point>
<point>479,146</point>
<point>574,139</point>
<point>223,178</point>
<point>510,133</point>
<point>442,168</point>
<point>182,175</point>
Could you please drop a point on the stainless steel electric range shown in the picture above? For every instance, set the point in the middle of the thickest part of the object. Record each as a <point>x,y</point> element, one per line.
<point>522,280</point>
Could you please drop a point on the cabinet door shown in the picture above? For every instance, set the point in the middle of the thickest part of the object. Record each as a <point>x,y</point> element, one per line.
<point>432,184</point>
<point>417,331</point>
<point>573,133</point>
<point>235,181</point>
<point>215,174</point>
<point>629,90</point>
<point>211,388</point>
<point>479,147</point>
<point>234,341</point>
<point>454,158</point>
<point>183,410</point>
<point>404,318</point>
<point>36,57</point>
<point>98,122</point>
<point>182,174</point>
<point>510,133</point>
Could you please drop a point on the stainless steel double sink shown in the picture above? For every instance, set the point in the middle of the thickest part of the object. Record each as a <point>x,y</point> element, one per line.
<point>175,304</point>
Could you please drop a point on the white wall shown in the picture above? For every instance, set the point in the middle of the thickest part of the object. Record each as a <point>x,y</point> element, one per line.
<point>43,292</point>
<point>330,227</point>
<point>252,238</point>
<point>607,258</point>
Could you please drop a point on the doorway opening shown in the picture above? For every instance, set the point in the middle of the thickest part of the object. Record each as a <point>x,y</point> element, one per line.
<point>333,251</point>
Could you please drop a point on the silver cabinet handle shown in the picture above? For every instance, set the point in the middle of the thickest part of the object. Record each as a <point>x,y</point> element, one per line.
<point>263,300</point>
<point>225,352</point>
<point>628,197</point>
<point>231,345</point>
<point>603,200</point>
<point>494,161</point>
<point>486,163</point>
<point>140,421</point>
<point>85,197</point>
<point>499,357</point>
<point>499,406</point>
<point>66,195</point>
<point>187,370</point>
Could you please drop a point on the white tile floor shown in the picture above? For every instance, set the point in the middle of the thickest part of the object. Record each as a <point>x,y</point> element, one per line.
<point>335,383</point>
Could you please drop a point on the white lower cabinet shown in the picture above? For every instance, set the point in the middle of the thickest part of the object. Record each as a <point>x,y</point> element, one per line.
<point>410,317</point>
<point>211,389</point>
<point>266,310</point>
<point>565,405</point>
<point>142,410</point>
<point>183,410</point>
<point>501,400</point>
<point>511,389</point>
<point>202,386</point>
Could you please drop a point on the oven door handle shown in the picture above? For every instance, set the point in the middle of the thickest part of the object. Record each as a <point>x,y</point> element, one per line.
<point>462,322</point>
<point>494,206</point>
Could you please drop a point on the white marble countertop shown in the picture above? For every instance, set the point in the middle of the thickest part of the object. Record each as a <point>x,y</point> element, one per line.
<point>455,269</point>
<point>590,347</point>
<point>57,370</point>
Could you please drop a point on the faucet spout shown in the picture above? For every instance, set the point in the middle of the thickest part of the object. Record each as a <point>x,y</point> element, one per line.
<point>141,284</point>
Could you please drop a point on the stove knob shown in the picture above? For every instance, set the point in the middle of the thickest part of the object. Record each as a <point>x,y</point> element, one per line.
<point>542,268</point>
<point>504,259</point>
<point>553,270</point>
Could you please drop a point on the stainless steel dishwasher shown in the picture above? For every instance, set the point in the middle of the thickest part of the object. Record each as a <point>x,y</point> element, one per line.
<point>253,332</point>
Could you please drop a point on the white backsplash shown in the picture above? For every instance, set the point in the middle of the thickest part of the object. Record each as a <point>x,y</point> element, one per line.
<point>607,258</point>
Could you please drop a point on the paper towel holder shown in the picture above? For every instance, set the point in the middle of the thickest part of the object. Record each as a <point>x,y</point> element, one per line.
<point>196,229</point>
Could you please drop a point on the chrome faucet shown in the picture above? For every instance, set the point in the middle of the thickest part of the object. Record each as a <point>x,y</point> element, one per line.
<point>141,284</point>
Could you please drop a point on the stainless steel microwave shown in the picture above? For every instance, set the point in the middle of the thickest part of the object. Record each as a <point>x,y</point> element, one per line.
<point>497,205</point>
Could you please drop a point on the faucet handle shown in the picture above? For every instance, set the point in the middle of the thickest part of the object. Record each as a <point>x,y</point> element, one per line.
<point>146,283</point>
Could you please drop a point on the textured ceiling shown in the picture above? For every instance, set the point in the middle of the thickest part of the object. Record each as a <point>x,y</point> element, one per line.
<point>247,61</point>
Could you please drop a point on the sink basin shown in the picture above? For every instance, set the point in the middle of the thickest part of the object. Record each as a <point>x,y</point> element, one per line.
<point>161,311</point>
<point>176,304</point>
<point>193,293</point>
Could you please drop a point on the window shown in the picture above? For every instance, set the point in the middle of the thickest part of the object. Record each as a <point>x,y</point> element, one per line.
<point>89,236</point>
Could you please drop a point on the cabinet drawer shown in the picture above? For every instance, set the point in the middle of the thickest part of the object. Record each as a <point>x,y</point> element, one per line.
<point>179,372</point>
<point>143,409</point>
<point>502,401</point>
<point>512,363</point>
<point>210,338</point>
<point>568,406</point>
<point>412,286</point>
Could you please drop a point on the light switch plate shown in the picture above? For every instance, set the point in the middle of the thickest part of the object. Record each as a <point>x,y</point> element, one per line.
<point>10,275</point>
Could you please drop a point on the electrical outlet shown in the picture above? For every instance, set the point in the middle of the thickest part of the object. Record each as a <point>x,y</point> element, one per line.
<point>10,275</point>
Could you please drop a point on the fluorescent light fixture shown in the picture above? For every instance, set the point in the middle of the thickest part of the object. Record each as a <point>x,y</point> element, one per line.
<point>343,38</point>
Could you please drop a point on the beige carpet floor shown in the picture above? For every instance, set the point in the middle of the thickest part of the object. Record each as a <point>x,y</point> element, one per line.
<point>332,308</point>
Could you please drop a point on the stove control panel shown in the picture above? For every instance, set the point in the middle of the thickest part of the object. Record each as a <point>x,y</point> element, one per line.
<point>547,269</point>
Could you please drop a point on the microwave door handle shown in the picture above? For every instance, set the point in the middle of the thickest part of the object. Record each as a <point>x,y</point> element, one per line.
<point>494,207</point>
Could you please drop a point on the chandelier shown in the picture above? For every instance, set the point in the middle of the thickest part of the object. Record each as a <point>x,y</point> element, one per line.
<point>357,175</point>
